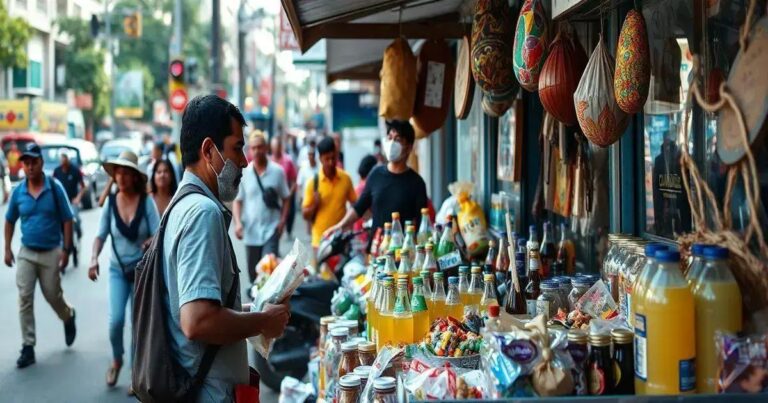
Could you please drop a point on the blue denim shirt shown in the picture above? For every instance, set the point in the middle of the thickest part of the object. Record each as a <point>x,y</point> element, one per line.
<point>198,265</point>
<point>41,218</point>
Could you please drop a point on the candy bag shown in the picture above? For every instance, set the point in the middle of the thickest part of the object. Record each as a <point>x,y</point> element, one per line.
<point>597,302</point>
<point>743,364</point>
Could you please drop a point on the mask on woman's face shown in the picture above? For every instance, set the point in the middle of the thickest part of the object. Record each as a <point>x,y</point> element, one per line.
<point>393,150</point>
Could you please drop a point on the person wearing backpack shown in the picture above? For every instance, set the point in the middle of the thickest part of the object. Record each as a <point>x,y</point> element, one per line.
<point>46,219</point>
<point>188,321</point>
<point>130,218</point>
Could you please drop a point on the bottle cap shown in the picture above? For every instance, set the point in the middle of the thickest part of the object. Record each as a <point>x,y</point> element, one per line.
<point>419,248</point>
<point>425,211</point>
<point>384,383</point>
<point>408,223</point>
<point>532,229</point>
<point>429,246</point>
<point>600,339</point>
<point>521,242</point>
<point>349,381</point>
<point>698,249</point>
<point>488,277</point>
<point>327,320</point>
<point>463,269</point>
<point>716,252</point>
<point>668,256</point>
<point>622,336</point>
<point>340,331</point>
<point>348,346</point>
<point>362,371</point>
<point>438,275</point>
<point>395,216</point>
<point>577,336</point>
<point>387,225</point>
<point>581,281</point>
<point>453,280</point>
<point>550,285</point>
<point>493,311</point>
<point>476,270</point>
<point>366,347</point>
<point>491,243</point>
<point>418,281</point>
<point>652,248</point>
<point>402,281</point>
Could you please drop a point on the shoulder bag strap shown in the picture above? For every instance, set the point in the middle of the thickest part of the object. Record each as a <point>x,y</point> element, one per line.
<point>111,205</point>
<point>55,194</point>
<point>258,179</point>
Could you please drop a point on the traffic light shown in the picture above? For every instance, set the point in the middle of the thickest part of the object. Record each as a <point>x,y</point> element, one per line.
<point>177,88</point>
<point>132,25</point>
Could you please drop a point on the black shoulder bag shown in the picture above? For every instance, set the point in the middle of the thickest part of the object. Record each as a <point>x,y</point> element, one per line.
<point>269,195</point>
<point>157,376</point>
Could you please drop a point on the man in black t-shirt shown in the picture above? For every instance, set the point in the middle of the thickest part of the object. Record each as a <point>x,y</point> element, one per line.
<point>393,187</point>
<point>74,184</point>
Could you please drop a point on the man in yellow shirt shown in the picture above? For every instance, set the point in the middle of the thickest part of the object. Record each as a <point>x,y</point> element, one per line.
<point>326,195</point>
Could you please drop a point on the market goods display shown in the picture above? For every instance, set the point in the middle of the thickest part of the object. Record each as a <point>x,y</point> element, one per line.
<point>600,118</point>
<point>491,55</point>
<point>450,338</point>
<point>633,64</point>
<point>531,44</point>
<point>398,81</point>
<point>464,87</point>
<point>435,72</point>
<point>560,76</point>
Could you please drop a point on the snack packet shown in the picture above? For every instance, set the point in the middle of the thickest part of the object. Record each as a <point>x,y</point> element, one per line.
<point>597,302</point>
<point>743,364</point>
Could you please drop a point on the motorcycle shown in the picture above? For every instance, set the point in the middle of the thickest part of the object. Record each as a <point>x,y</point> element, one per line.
<point>311,301</point>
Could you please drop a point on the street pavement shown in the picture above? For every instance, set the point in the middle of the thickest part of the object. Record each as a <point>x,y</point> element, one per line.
<point>77,373</point>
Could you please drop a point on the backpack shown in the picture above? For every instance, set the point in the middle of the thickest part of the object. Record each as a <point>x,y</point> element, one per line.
<point>157,375</point>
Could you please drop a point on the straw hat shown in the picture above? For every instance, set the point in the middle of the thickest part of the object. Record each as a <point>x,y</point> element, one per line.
<point>126,159</point>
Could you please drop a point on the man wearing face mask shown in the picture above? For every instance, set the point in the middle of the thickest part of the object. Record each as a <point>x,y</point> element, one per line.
<point>393,187</point>
<point>200,269</point>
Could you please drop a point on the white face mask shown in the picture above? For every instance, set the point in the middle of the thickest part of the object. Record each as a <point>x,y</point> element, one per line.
<point>228,179</point>
<point>392,150</point>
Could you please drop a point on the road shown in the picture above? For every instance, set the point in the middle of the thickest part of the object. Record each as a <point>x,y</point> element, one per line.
<point>75,374</point>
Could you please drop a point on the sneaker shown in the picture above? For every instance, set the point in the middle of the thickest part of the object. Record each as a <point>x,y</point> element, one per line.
<point>70,331</point>
<point>27,357</point>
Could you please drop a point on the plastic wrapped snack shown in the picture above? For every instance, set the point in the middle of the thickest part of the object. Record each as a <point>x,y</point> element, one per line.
<point>285,279</point>
<point>598,302</point>
<point>743,364</point>
<point>386,356</point>
<point>446,382</point>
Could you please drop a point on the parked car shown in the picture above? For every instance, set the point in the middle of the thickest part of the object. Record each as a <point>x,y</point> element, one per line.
<point>83,156</point>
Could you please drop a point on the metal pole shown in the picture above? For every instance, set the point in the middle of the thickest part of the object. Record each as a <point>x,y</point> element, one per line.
<point>176,50</point>
<point>241,56</point>
<point>111,50</point>
<point>215,44</point>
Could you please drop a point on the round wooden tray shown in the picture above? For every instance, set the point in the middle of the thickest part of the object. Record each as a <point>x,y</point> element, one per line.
<point>464,86</point>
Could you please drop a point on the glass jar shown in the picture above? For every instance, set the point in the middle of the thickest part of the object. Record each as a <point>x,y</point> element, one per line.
<point>580,287</point>
<point>549,300</point>
<point>577,347</point>
<point>362,371</point>
<point>623,361</point>
<point>349,360</point>
<point>353,326</point>
<point>366,352</point>
<point>349,389</point>
<point>600,374</point>
<point>385,390</point>
<point>324,322</point>
<point>565,289</point>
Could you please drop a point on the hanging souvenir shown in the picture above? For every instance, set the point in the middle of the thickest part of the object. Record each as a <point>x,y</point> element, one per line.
<point>560,77</point>
<point>464,87</point>
<point>491,56</point>
<point>714,79</point>
<point>435,81</point>
<point>496,109</point>
<point>600,118</point>
<point>633,64</point>
<point>398,81</point>
<point>530,45</point>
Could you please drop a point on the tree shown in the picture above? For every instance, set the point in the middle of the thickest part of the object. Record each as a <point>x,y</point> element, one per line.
<point>14,34</point>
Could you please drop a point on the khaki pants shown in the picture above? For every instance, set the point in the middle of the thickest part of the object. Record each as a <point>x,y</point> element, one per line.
<point>32,266</point>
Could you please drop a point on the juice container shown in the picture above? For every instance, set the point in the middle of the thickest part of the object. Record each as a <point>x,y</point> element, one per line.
<point>370,304</point>
<point>385,239</point>
<point>464,284</point>
<point>419,308</point>
<point>430,265</point>
<point>425,228</point>
<point>437,310</point>
<point>697,265</point>
<point>403,317</point>
<point>385,324</point>
<point>489,294</point>
<point>718,308</point>
<point>404,271</point>
<point>475,289</point>
<point>667,339</point>
<point>638,308</point>
<point>453,305</point>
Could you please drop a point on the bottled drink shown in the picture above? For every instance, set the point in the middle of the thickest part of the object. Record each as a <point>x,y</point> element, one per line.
<point>396,240</point>
<point>475,289</point>
<point>425,228</point>
<point>638,310</point>
<point>385,318</point>
<point>533,288</point>
<point>390,268</point>
<point>623,360</point>
<point>718,309</point>
<point>565,263</point>
<point>403,317</point>
<point>601,369</point>
<point>419,307</point>
<point>426,279</point>
<point>492,322</point>
<point>430,264</point>
<point>404,271</point>
<point>490,259</point>
<point>521,254</point>
<point>446,245</point>
<point>385,239</point>
<point>437,310</point>
<point>514,301</point>
<point>332,358</point>
<point>629,291</point>
<point>409,243</point>
<point>533,259</point>
<point>418,260</point>
<point>697,265</point>
<point>453,305</point>
<point>464,284</point>
<point>489,293</point>
<point>503,261</point>
<point>370,305</point>
<point>349,389</point>
<point>349,360</point>
<point>666,340</point>
<point>547,251</point>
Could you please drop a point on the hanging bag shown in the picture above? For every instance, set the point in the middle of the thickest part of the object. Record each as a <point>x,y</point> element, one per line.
<point>531,44</point>
<point>398,81</point>
<point>633,64</point>
<point>560,76</point>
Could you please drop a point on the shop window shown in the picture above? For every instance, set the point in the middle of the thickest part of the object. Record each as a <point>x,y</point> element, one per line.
<point>35,74</point>
<point>470,152</point>
<point>19,78</point>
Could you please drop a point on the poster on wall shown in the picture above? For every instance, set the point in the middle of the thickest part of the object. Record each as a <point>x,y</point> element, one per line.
<point>129,95</point>
<point>510,143</point>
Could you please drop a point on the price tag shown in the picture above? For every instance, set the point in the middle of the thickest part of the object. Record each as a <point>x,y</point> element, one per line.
<point>452,259</point>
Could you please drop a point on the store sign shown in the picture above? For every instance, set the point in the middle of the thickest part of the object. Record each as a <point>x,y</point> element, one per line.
<point>560,7</point>
<point>129,95</point>
<point>52,117</point>
<point>287,40</point>
<point>14,114</point>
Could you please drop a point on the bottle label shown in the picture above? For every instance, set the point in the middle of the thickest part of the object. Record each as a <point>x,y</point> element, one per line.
<point>418,303</point>
<point>400,304</point>
<point>452,259</point>
<point>596,380</point>
<point>687,370</point>
<point>641,348</point>
<point>530,305</point>
<point>534,264</point>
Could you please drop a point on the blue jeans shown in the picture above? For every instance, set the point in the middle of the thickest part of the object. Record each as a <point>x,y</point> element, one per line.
<point>120,293</point>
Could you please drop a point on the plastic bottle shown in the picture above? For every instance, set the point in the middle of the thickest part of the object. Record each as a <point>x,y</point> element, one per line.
<point>419,308</point>
<point>533,259</point>
<point>453,305</point>
<point>384,245</point>
<point>396,240</point>
<point>718,309</point>
<point>424,235</point>
<point>403,316</point>
<point>464,284</point>
<point>409,243</point>
<point>637,304</point>
<point>547,252</point>
<point>669,330</point>
<point>475,289</point>
<point>697,264</point>
<point>492,322</point>
<point>385,318</point>
<point>446,245</point>
<point>629,294</point>
<point>437,309</point>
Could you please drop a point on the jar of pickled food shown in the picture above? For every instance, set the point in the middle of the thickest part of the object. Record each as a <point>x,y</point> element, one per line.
<point>384,388</point>
<point>549,300</point>
<point>349,360</point>
<point>366,352</point>
<point>349,389</point>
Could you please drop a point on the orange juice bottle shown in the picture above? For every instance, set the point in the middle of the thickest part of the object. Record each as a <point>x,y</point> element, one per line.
<point>476,288</point>
<point>403,317</point>
<point>718,309</point>
<point>419,308</point>
<point>385,324</point>
<point>638,307</point>
<point>370,304</point>
<point>667,341</point>
<point>453,305</point>
<point>437,298</point>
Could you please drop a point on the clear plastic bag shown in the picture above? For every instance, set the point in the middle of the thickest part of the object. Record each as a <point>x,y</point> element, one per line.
<point>598,302</point>
<point>285,279</point>
<point>386,356</point>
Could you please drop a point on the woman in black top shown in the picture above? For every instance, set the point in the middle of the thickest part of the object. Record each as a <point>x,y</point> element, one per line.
<point>393,187</point>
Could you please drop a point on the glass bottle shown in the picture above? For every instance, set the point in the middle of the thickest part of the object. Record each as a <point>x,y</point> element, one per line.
<point>370,307</point>
<point>492,320</point>
<point>362,372</point>
<point>349,389</point>
<point>349,359</point>
<point>396,239</point>
<point>521,254</point>
<point>577,347</point>
<point>549,300</point>
<point>514,301</point>
<point>430,264</point>
<point>453,305</point>
<point>384,245</point>
<point>437,310</point>
<point>547,251</point>
<point>390,267</point>
<point>426,280</point>
<point>409,243</point>
<point>419,309</point>
<point>404,271</point>
<point>532,289</point>
<point>601,373</point>
<point>446,245</point>
<point>386,318</point>
<point>566,253</point>
<point>424,235</point>
<point>533,259</point>
<point>384,388</point>
<point>403,317</point>
<point>502,268</point>
<point>366,353</point>
<point>623,361</point>
<point>418,260</point>
<point>476,289</point>
<point>333,353</point>
<point>489,293</point>
<point>464,284</point>
<point>490,259</point>
<point>579,286</point>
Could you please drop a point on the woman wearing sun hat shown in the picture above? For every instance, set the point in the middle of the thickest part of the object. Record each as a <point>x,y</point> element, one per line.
<point>130,218</point>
